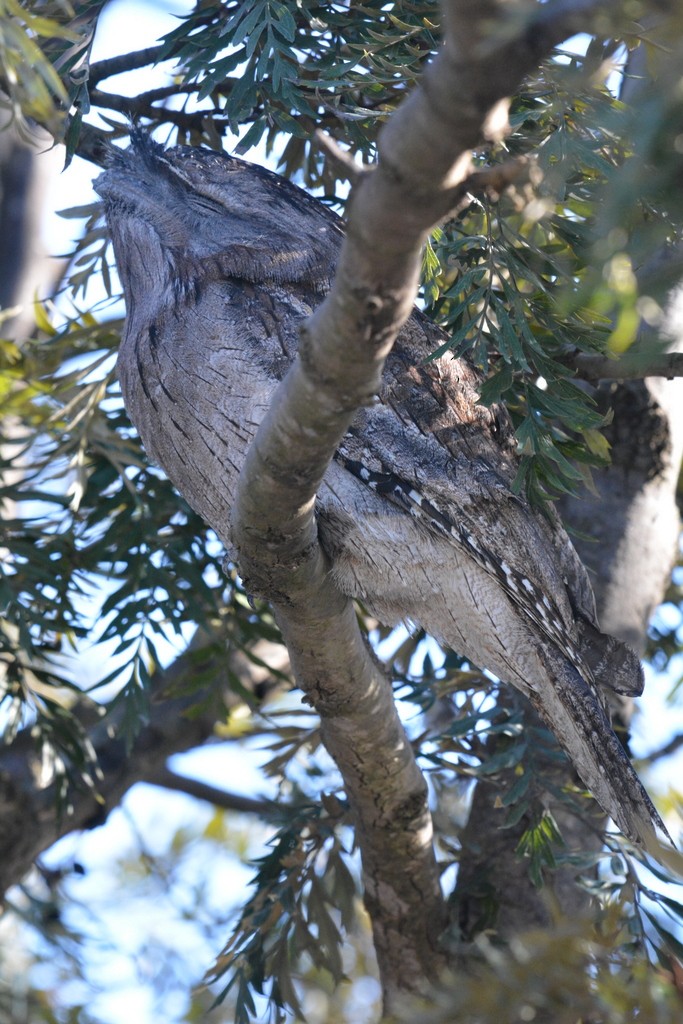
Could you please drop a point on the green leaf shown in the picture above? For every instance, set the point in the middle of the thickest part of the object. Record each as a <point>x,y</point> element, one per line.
<point>518,790</point>
<point>504,759</point>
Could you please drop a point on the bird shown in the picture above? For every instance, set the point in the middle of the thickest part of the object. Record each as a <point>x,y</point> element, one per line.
<point>221,262</point>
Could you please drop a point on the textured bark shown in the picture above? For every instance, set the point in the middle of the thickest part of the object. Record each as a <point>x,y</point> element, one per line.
<point>633,522</point>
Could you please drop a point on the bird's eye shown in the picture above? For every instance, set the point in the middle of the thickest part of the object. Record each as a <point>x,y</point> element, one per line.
<point>204,203</point>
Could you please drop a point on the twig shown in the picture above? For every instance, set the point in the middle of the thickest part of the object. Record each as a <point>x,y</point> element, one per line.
<point>631,366</point>
<point>493,180</point>
<point>142,106</point>
<point>667,750</point>
<point>126,62</point>
<point>341,160</point>
<point>162,776</point>
<point>497,178</point>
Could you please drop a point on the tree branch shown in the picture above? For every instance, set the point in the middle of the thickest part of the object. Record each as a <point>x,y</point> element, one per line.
<point>672,747</point>
<point>143,106</point>
<point>125,62</point>
<point>424,155</point>
<point>269,810</point>
<point>29,816</point>
<point>636,365</point>
<point>144,100</point>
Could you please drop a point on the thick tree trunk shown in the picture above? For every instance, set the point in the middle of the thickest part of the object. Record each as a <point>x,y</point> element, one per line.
<point>25,172</point>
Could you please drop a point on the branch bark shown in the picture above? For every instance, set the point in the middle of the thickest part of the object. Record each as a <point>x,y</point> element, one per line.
<point>635,364</point>
<point>103,69</point>
<point>144,106</point>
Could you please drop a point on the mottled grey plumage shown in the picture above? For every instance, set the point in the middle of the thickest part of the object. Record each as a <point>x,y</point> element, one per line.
<point>220,262</point>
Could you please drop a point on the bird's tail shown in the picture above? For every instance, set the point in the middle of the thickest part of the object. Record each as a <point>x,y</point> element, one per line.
<point>574,713</point>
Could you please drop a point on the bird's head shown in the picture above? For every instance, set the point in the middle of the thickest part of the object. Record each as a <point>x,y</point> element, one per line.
<point>183,213</point>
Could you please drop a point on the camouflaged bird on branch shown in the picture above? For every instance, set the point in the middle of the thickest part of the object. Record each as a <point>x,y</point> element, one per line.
<point>221,263</point>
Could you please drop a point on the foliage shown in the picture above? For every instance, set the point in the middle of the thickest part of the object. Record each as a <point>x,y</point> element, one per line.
<point>520,284</point>
<point>71,918</point>
<point>44,52</point>
<point>357,64</point>
<point>303,892</point>
<point>33,85</point>
<point>98,548</point>
<point>570,973</point>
